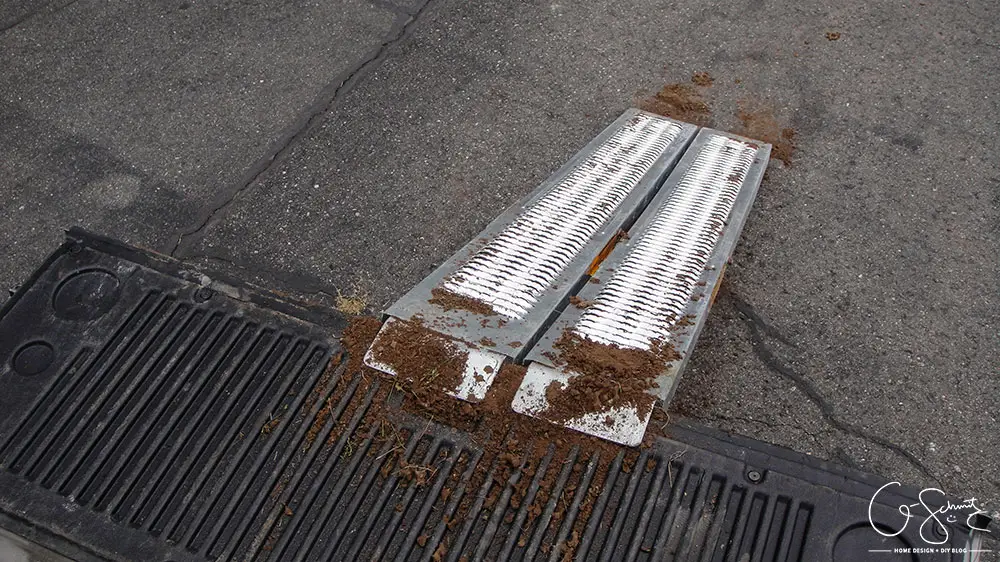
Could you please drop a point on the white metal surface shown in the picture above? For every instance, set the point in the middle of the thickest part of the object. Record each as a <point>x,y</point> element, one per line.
<point>627,424</point>
<point>514,268</point>
<point>649,292</point>
<point>481,366</point>
<point>660,275</point>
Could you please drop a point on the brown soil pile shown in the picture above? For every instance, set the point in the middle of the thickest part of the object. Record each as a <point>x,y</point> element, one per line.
<point>681,102</point>
<point>580,302</point>
<point>453,301</point>
<point>832,35</point>
<point>702,79</point>
<point>514,446</point>
<point>358,335</point>
<point>609,377</point>
<point>762,125</point>
<point>428,362</point>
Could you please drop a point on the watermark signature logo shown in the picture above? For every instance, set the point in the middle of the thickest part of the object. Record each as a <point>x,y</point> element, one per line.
<point>932,510</point>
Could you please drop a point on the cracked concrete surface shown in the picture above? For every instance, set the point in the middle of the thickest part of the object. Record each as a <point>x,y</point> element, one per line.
<point>859,318</point>
<point>133,121</point>
<point>404,19</point>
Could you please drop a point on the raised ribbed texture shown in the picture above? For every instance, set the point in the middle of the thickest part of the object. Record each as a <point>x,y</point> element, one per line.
<point>527,256</point>
<point>217,434</point>
<point>206,430</point>
<point>650,290</point>
<point>161,428</point>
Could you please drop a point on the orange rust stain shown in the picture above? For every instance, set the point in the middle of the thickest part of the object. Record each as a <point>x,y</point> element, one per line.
<point>603,254</point>
<point>718,283</point>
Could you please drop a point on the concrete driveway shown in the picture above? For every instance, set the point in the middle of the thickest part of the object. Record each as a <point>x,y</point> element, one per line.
<point>316,148</point>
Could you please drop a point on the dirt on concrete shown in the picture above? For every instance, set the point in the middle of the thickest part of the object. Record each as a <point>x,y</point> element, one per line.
<point>681,102</point>
<point>702,79</point>
<point>758,122</point>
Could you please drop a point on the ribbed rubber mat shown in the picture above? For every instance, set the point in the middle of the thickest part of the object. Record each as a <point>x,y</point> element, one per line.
<point>148,416</point>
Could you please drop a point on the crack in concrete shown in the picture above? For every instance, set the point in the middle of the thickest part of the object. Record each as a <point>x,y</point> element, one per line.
<point>400,30</point>
<point>758,328</point>
<point>34,13</point>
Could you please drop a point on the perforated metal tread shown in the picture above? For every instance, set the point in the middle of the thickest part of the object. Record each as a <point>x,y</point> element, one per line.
<point>135,438</point>
<point>532,256</point>
<point>656,286</point>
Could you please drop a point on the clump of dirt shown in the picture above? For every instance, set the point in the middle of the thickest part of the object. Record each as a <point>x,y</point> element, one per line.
<point>453,301</point>
<point>429,362</point>
<point>580,302</point>
<point>760,124</point>
<point>358,335</point>
<point>270,426</point>
<point>681,102</point>
<point>515,447</point>
<point>608,376</point>
<point>702,79</point>
<point>415,474</point>
<point>832,35</point>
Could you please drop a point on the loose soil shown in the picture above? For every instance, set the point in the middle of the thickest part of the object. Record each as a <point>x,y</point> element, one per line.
<point>580,302</point>
<point>702,79</point>
<point>427,360</point>
<point>760,124</point>
<point>514,446</point>
<point>453,301</point>
<point>608,377</point>
<point>681,102</point>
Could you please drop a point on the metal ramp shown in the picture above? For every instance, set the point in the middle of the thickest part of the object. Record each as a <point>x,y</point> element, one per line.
<point>656,287</point>
<point>649,213</point>
<point>495,296</point>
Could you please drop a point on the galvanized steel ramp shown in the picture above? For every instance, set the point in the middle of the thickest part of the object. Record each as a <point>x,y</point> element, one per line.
<point>656,287</point>
<point>623,248</point>
<point>154,413</point>
<point>496,295</point>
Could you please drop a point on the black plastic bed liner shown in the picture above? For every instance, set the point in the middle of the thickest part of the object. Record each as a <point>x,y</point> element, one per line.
<point>152,413</point>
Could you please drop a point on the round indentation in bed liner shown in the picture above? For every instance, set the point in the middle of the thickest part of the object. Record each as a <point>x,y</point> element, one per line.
<point>32,358</point>
<point>86,295</point>
<point>858,541</point>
